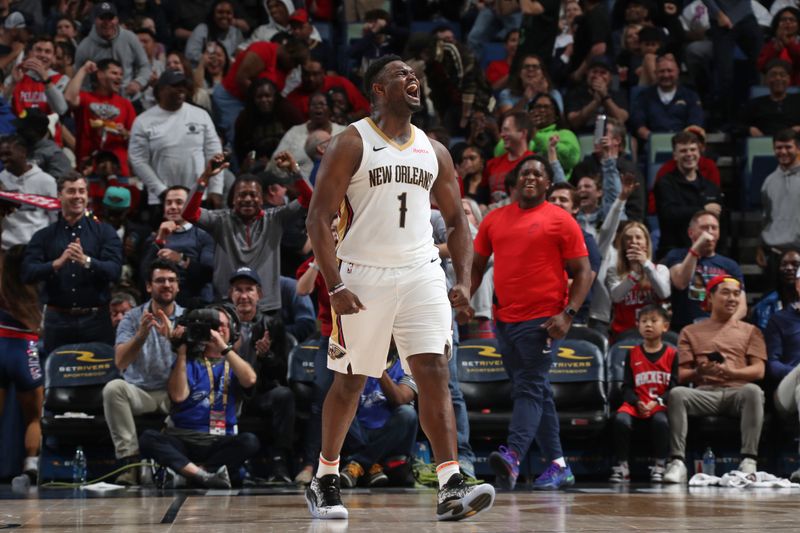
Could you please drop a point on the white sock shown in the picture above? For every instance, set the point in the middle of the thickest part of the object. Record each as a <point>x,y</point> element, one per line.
<point>445,470</point>
<point>327,467</point>
<point>31,464</point>
<point>560,462</point>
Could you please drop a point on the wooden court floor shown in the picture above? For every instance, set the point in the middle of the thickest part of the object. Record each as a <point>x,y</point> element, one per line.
<point>584,508</point>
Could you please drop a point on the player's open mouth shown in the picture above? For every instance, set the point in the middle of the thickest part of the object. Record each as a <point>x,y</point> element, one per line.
<point>412,90</point>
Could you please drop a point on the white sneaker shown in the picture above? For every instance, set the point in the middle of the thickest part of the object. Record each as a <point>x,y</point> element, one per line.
<point>795,477</point>
<point>620,473</point>
<point>748,466</point>
<point>676,472</point>
<point>656,474</point>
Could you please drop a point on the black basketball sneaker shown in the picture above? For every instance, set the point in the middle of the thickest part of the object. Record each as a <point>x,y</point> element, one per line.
<point>457,500</point>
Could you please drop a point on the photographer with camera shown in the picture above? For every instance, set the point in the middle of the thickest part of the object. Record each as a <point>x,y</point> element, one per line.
<point>263,345</point>
<point>144,357</point>
<point>205,384</point>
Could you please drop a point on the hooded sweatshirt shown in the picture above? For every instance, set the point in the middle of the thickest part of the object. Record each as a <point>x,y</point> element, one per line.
<point>125,48</point>
<point>265,32</point>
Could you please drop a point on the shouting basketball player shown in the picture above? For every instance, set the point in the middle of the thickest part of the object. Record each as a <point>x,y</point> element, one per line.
<point>385,280</point>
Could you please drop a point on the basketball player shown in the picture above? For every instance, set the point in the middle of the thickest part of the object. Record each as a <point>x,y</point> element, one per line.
<point>385,279</point>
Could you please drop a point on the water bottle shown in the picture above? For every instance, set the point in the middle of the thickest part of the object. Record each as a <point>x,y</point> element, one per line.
<point>709,462</point>
<point>423,452</point>
<point>79,466</point>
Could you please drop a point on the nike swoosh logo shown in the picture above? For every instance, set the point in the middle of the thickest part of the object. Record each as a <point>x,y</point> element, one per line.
<point>375,148</point>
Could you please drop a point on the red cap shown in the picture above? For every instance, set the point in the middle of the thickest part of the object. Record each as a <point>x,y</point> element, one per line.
<point>299,15</point>
<point>713,282</point>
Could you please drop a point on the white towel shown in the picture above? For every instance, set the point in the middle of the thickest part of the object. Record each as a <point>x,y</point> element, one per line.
<point>737,479</point>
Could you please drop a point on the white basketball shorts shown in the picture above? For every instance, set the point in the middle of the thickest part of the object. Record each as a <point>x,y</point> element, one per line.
<point>409,304</point>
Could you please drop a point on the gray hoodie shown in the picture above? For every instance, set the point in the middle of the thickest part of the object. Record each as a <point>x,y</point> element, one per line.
<point>125,48</point>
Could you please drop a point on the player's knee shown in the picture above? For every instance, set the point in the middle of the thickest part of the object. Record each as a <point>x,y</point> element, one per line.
<point>348,385</point>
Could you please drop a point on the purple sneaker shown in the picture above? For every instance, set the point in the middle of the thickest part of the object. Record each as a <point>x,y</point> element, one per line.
<point>505,465</point>
<point>554,478</point>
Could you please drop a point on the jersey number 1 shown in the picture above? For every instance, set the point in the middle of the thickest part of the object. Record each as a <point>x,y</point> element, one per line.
<point>403,209</point>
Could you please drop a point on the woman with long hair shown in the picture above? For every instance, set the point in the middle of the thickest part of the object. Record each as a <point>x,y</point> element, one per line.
<point>264,120</point>
<point>548,121</point>
<point>219,26</point>
<point>20,320</point>
<point>784,42</point>
<point>530,79</point>
<point>634,281</point>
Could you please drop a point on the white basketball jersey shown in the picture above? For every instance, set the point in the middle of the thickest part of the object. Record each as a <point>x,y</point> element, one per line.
<point>386,213</point>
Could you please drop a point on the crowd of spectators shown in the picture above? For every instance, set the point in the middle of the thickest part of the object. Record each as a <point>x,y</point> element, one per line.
<point>183,139</point>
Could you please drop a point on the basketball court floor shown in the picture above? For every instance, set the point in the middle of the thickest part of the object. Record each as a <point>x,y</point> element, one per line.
<point>283,510</point>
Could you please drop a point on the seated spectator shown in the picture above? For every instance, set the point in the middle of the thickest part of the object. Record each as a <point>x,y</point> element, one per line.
<point>116,212</point>
<point>497,71</point>
<point>779,197</point>
<point>563,45</point>
<point>259,60</point>
<point>213,65</point>
<point>205,431</point>
<point>103,118</point>
<point>314,81</point>
<point>783,364</point>
<point>143,354</point>
<point>776,111</point>
<point>484,132</point>
<point>121,303</point>
<point>20,322</point>
<point>667,106</point>
<point>218,27</point>
<point>319,118</point>
<point>592,35</point>
<point>651,40</point>
<point>592,163</point>
<point>102,173</point>
<point>187,247</point>
<point>635,282</point>
<point>278,19</point>
<point>785,294</point>
<point>66,30</point>
<point>783,44</point>
<point>690,269</point>
<point>196,93</point>
<point>247,222</point>
<point>263,345</point>
<point>470,174</point>
<point>493,20</point>
<point>44,152</point>
<point>516,135</point>
<point>539,29</point>
<point>171,142</point>
<point>264,119</point>
<point>108,40</point>
<point>629,59</point>
<point>77,258</point>
<point>547,121</point>
<point>157,60</point>
<point>14,38</point>
<point>682,193</point>
<point>594,97</point>
<point>531,80</point>
<point>36,84</point>
<point>723,357</point>
<point>651,371</point>
<point>380,36</point>
<point>19,175</point>
<point>385,425</point>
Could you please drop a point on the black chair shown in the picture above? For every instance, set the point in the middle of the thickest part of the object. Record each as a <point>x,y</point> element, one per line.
<point>486,388</point>
<point>615,369</point>
<point>578,381</point>
<point>300,374</point>
<point>583,333</point>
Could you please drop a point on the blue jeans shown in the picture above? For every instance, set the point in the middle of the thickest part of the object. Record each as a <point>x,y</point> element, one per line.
<point>226,108</point>
<point>396,437</point>
<point>487,25</point>
<point>465,452</point>
<point>323,378</point>
<point>528,355</point>
<point>61,329</point>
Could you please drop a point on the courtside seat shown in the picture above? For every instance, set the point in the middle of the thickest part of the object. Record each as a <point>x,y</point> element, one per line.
<point>485,386</point>
<point>579,388</point>
<point>301,374</point>
<point>589,335</point>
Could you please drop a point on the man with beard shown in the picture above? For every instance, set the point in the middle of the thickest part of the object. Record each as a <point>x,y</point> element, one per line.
<point>144,356</point>
<point>171,142</point>
<point>379,174</point>
<point>77,258</point>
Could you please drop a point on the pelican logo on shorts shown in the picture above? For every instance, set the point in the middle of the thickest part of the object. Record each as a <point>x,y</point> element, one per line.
<point>335,352</point>
<point>349,268</point>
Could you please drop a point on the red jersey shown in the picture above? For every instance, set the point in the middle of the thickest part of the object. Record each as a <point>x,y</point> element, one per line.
<point>323,300</point>
<point>625,311</point>
<point>496,70</point>
<point>268,52</point>
<point>530,248</point>
<point>299,97</point>
<point>29,93</point>
<point>98,120</point>
<point>494,173</point>
<point>650,379</point>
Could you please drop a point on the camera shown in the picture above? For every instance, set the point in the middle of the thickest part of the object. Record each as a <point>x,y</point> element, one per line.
<point>197,324</point>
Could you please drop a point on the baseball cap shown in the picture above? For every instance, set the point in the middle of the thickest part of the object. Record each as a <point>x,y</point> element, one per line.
<point>171,77</point>
<point>697,130</point>
<point>713,282</point>
<point>246,273</point>
<point>105,9</point>
<point>300,16</point>
<point>601,62</point>
<point>15,20</point>
<point>117,198</point>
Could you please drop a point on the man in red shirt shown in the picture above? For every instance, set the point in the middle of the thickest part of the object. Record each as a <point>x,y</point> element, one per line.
<point>259,60</point>
<point>315,80</point>
<point>104,118</point>
<point>516,132</point>
<point>37,85</point>
<point>532,242</point>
